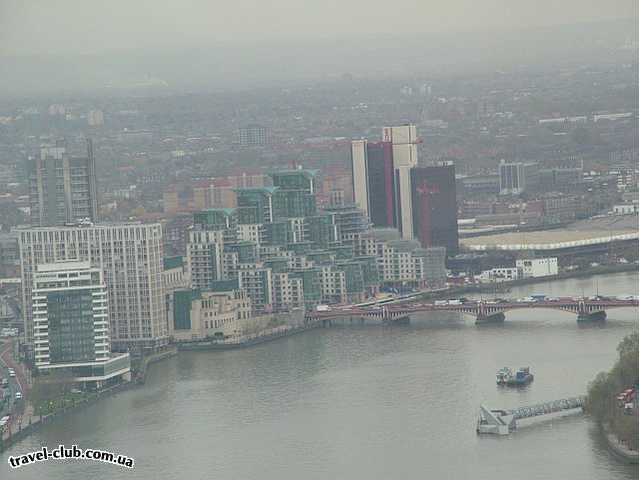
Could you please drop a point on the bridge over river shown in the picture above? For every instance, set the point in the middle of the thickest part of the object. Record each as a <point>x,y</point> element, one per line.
<point>484,311</point>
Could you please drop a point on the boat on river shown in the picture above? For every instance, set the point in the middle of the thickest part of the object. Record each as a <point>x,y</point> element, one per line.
<point>503,375</point>
<point>521,377</point>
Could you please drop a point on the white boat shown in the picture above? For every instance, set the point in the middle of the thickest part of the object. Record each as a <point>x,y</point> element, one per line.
<point>504,375</point>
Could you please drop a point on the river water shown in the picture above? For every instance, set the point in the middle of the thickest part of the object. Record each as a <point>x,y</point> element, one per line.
<point>359,402</point>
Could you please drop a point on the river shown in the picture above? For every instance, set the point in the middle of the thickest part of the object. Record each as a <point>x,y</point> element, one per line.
<point>359,402</point>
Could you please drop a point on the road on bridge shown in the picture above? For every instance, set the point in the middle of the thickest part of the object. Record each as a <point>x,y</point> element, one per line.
<point>479,308</point>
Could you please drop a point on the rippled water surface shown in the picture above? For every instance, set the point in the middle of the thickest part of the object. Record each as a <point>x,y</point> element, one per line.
<point>359,402</point>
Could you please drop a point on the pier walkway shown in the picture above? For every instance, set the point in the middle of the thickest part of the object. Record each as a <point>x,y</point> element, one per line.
<point>503,422</point>
<point>548,407</point>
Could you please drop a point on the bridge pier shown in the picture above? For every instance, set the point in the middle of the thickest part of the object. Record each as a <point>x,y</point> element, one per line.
<point>598,316</point>
<point>398,320</point>
<point>492,318</point>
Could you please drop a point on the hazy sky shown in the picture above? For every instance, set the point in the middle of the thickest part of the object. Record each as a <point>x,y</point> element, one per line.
<point>58,26</point>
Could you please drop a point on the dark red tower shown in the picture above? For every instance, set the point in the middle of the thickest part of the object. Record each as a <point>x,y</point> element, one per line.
<point>434,201</point>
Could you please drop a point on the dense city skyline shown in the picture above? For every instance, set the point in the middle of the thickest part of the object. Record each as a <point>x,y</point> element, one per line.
<point>415,210</point>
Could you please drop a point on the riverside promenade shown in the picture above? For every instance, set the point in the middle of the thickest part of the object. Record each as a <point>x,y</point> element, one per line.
<point>244,341</point>
<point>25,421</point>
<point>619,448</point>
<point>28,422</point>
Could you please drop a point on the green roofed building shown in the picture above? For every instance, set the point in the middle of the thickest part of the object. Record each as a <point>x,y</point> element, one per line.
<point>354,281</point>
<point>246,251</point>
<point>225,285</point>
<point>343,252</point>
<point>321,230</point>
<point>255,205</point>
<point>310,285</point>
<point>320,256</point>
<point>218,218</point>
<point>173,262</point>
<point>181,308</point>
<point>222,219</point>
<point>300,248</point>
<point>370,272</point>
<point>278,233</point>
<point>293,204</point>
<point>277,264</point>
<point>282,252</point>
<point>299,179</point>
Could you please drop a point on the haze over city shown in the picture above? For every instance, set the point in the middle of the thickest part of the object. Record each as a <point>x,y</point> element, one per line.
<point>47,27</point>
<point>210,45</point>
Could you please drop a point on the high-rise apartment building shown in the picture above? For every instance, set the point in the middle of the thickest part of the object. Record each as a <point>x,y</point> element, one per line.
<point>294,194</point>
<point>255,205</point>
<point>434,203</point>
<point>130,257</point>
<point>62,189</point>
<point>403,262</point>
<point>204,252</point>
<point>403,202</point>
<point>381,177</point>
<point>381,185</point>
<point>359,152</point>
<point>404,145</point>
<point>70,314</point>
<point>71,324</point>
<point>298,179</point>
<point>349,220</point>
<point>374,182</point>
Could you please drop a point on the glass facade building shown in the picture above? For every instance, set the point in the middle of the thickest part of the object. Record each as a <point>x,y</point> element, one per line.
<point>70,314</point>
<point>71,326</point>
<point>130,257</point>
<point>381,187</point>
